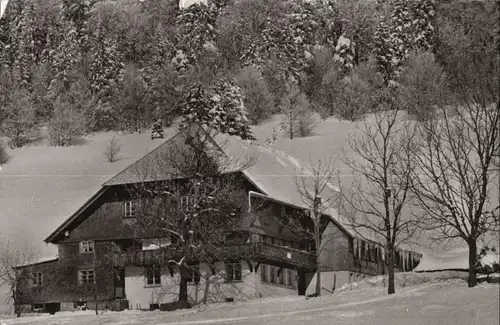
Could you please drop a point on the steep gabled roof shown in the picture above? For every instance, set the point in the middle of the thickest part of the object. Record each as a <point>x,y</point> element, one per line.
<point>273,172</point>
<point>147,168</point>
<point>75,215</point>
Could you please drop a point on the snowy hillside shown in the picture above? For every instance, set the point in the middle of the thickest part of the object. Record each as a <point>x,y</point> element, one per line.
<point>41,186</point>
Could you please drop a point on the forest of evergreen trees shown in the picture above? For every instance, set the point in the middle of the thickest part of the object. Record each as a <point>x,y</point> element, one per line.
<point>79,66</point>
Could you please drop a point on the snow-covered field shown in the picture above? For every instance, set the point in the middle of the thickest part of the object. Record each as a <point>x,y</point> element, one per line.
<point>441,300</point>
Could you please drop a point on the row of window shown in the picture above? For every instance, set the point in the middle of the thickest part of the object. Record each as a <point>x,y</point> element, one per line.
<point>130,207</point>
<point>153,275</point>
<point>271,274</point>
<point>309,247</point>
<point>85,276</point>
<point>233,273</point>
<point>365,251</point>
<point>372,252</point>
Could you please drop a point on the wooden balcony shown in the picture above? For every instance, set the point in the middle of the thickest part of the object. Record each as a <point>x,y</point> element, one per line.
<point>258,252</point>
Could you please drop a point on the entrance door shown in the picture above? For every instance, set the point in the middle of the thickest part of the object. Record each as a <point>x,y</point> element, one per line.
<point>301,283</point>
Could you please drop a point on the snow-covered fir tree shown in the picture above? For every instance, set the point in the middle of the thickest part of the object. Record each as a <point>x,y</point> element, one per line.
<point>423,24</point>
<point>220,108</point>
<point>66,56</point>
<point>195,34</point>
<point>23,44</point>
<point>107,64</point>
<point>409,28</point>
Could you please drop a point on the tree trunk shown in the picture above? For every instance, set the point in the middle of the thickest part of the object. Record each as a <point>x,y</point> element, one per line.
<point>318,281</point>
<point>96,306</point>
<point>16,299</point>
<point>472,281</point>
<point>390,268</point>
<point>207,289</point>
<point>183,294</point>
<point>17,309</point>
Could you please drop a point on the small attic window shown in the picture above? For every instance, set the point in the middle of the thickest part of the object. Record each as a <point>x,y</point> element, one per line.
<point>87,246</point>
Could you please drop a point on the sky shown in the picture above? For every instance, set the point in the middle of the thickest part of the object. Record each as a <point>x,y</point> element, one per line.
<point>3,4</point>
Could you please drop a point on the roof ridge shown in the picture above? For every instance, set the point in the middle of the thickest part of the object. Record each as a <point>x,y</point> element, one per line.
<point>142,158</point>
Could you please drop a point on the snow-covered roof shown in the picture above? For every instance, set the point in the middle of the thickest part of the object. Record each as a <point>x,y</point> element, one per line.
<point>40,261</point>
<point>273,171</point>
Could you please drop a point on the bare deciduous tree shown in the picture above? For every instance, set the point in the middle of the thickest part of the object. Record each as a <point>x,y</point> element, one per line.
<point>200,204</point>
<point>312,187</point>
<point>20,116</point>
<point>382,165</point>
<point>455,166</point>
<point>299,119</point>
<point>112,150</point>
<point>12,256</point>
<point>319,196</point>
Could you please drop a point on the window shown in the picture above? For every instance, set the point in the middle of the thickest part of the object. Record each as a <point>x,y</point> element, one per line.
<point>290,278</point>
<point>37,279</point>
<point>87,246</point>
<point>369,252</point>
<point>233,271</point>
<point>187,202</point>
<point>363,250</point>
<point>194,276</point>
<point>286,277</point>
<point>155,243</point>
<point>86,276</point>
<point>272,271</point>
<point>311,248</point>
<point>129,209</point>
<point>263,273</point>
<point>153,275</point>
<point>282,276</point>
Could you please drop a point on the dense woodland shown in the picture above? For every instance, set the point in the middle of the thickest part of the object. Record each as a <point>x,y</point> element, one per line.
<point>79,66</point>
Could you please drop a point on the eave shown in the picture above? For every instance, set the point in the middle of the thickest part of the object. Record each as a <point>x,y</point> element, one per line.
<point>51,239</point>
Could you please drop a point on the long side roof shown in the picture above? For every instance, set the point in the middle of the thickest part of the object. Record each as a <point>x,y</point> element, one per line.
<point>274,172</point>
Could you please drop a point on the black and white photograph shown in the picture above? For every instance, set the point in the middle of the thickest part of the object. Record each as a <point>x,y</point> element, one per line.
<point>248,162</point>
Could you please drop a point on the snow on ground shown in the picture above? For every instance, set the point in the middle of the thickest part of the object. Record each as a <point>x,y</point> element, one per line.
<point>436,302</point>
<point>404,280</point>
<point>454,260</point>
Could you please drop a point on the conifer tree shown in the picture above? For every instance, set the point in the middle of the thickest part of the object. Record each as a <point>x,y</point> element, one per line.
<point>66,57</point>
<point>107,64</point>
<point>24,45</point>
<point>220,107</point>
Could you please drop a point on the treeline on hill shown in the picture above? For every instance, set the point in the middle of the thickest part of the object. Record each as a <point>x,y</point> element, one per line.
<point>87,65</point>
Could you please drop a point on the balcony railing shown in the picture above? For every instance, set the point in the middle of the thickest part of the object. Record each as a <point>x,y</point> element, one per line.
<point>259,252</point>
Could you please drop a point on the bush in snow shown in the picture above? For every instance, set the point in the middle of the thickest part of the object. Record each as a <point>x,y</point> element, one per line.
<point>299,119</point>
<point>4,157</point>
<point>65,124</point>
<point>259,101</point>
<point>422,82</point>
<point>112,150</point>
<point>19,117</point>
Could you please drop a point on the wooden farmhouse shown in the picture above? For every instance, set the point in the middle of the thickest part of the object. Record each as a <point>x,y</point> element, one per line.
<point>102,258</point>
